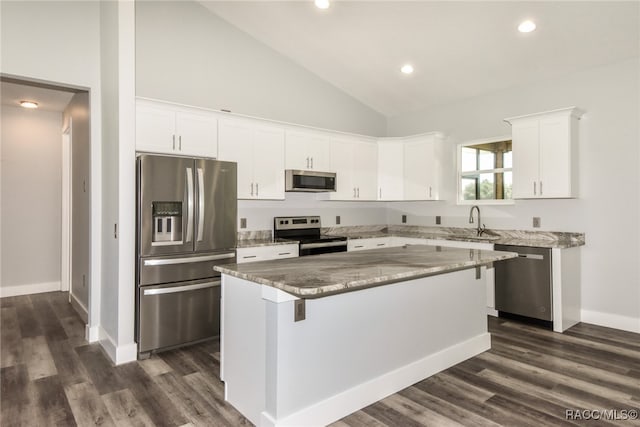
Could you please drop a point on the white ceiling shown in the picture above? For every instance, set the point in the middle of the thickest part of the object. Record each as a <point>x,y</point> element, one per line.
<point>459,49</point>
<point>48,99</point>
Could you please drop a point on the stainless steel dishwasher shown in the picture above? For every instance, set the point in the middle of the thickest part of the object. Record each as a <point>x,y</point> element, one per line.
<point>523,284</point>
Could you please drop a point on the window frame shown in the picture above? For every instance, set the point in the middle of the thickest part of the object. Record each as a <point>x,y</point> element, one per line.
<point>459,191</point>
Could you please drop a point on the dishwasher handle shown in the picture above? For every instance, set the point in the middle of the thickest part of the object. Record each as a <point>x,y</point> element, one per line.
<point>531,256</point>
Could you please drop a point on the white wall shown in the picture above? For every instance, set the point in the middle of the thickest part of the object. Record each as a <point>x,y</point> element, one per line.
<point>61,46</point>
<point>187,54</point>
<point>31,145</point>
<point>118,156</point>
<point>260,213</point>
<point>608,208</point>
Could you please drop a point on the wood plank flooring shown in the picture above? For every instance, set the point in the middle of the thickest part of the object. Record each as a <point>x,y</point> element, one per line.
<point>50,376</point>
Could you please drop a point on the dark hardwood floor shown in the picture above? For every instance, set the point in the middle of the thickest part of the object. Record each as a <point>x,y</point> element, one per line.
<point>531,377</point>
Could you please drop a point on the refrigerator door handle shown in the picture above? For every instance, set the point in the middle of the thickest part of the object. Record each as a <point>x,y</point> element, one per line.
<point>176,289</point>
<point>201,194</point>
<point>171,261</point>
<point>189,205</point>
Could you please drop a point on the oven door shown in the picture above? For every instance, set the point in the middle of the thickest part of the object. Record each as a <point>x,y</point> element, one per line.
<point>178,313</point>
<point>322,247</point>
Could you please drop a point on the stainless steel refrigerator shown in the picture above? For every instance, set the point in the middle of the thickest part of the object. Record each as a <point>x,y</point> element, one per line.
<point>186,218</point>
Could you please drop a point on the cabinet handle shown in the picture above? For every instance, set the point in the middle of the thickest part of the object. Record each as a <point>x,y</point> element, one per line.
<point>358,192</point>
<point>312,163</point>
<point>430,196</point>
<point>541,188</point>
<point>358,246</point>
<point>307,163</point>
<point>252,188</point>
<point>180,143</point>
<point>284,253</point>
<point>534,188</point>
<point>381,244</point>
<point>257,189</point>
<point>174,142</point>
<point>248,256</point>
<point>354,192</point>
<point>380,191</point>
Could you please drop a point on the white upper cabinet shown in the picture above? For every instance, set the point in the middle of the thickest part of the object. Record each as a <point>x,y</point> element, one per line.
<point>307,150</point>
<point>422,164</point>
<point>410,168</point>
<point>545,162</point>
<point>390,170</point>
<point>259,152</point>
<point>172,129</point>
<point>355,163</point>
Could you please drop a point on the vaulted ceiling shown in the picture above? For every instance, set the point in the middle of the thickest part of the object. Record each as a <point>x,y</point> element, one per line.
<point>458,49</point>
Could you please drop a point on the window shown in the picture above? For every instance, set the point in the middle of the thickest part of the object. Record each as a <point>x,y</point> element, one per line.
<point>484,171</point>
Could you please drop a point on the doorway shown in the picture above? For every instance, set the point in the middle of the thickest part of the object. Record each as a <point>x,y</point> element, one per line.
<point>45,221</point>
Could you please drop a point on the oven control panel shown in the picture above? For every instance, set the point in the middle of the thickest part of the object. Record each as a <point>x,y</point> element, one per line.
<point>296,222</point>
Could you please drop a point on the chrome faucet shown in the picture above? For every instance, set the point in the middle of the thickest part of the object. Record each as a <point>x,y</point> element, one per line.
<point>480,229</point>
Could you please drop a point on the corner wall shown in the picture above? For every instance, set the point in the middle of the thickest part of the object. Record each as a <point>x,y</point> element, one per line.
<point>608,209</point>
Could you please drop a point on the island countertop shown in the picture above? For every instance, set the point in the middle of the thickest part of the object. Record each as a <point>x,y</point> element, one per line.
<point>322,275</point>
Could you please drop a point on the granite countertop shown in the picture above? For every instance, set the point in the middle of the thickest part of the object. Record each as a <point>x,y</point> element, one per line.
<point>254,243</point>
<point>327,274</point>
<point>539,239</point>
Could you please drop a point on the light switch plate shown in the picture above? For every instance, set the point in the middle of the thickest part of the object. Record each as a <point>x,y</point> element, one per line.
<point>299,310</point>
<point>438,220</point>
<point>243,222</point>
<point>404,219</point>
<point>536,222</point>
<point>337,219</point>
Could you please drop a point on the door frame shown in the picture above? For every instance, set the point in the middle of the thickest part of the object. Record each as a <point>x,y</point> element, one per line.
<point>67,211</point>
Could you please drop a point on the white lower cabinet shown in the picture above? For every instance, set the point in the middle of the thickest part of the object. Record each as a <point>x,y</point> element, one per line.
<point>372,243</point>
<point>266,253</point>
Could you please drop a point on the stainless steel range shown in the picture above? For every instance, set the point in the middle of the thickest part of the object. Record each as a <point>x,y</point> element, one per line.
<point>306,230</point>
<point>186,225</point>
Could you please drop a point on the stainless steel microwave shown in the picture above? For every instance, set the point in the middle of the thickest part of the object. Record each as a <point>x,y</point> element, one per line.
<point>309,181</point>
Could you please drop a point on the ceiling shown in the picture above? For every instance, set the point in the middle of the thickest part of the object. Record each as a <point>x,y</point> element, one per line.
<point>459,49</point>
<point>48,99</point>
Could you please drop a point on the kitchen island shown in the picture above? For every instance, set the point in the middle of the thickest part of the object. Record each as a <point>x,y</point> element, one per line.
<point>310,340</point>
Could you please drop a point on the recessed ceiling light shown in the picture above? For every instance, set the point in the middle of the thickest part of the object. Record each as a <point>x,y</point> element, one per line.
<point>526,26</point>
<point>28,104</point>
<point>322,4</point>
<point>407,69</point>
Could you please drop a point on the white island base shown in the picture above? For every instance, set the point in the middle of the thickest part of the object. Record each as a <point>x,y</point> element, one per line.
<point>352,349</point>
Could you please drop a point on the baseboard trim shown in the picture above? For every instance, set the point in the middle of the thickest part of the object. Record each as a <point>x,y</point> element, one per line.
<point>615,321</point>
<point>35,288</point>
<point>356,398</point>
<point>79,307</point>
<point>92,333</point>
<point>118,354</point>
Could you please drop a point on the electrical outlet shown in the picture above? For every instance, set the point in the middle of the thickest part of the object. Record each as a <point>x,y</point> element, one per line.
<point>536,222</point>
<point>243,222</point>
<point>337,219</point>
<point>404,219</point>
<point>438,220</point>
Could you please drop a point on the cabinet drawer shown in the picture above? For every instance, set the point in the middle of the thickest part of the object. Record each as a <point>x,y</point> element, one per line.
<point>264,253</point>
<point>364,244</point>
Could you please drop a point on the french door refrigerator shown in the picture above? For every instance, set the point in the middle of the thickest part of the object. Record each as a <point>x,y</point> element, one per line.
<point>186,218</point>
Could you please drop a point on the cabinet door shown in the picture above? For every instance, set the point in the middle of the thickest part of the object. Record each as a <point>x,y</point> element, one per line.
<point>296,151</point>
<point>417,156</point>
<point>319,149</point>
<point>155,128</point>
<point>342,163</point>
<point>555,158</point>
<point>197,134</point>
<point>525,159</point>
<point>268,162</point>
<point>236,145</point>
<point>390,171</point>
<point>366,171</point>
